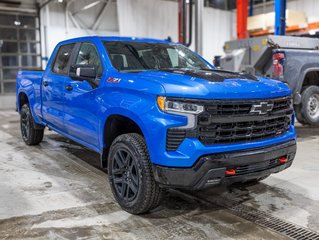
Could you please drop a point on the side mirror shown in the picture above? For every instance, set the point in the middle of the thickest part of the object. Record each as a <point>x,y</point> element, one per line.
<point>85,72</point>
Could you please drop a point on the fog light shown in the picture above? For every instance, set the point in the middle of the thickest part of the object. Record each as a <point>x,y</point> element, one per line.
<point>230,172</point>
<point>283,160</point>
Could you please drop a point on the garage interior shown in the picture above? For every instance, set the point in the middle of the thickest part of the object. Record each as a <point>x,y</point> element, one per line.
<point>58,190</point>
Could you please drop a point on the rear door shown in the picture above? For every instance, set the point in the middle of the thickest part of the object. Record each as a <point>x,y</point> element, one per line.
<point>53,85</point>
<point>81,104</point>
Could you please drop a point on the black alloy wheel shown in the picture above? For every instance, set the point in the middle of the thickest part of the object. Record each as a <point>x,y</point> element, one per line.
<point>25,125</point>
<point>125,176</point>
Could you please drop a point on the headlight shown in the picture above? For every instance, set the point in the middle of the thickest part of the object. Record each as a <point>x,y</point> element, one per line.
<point>178,107</point>
<point>190,110</point>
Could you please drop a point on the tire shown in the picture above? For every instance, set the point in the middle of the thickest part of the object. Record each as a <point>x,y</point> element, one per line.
<point>308,111</point>
<point>31,134</point>
<point>299,116</point>
<point>130,175</point>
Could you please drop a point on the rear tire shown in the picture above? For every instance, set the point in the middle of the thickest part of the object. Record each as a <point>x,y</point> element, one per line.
<point>31,134</point>
<point>307,112</point>
<point>130,175</point>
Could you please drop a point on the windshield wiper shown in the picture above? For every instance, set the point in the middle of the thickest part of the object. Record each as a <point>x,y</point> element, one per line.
<point>134,70</point>
<point>208,69</point>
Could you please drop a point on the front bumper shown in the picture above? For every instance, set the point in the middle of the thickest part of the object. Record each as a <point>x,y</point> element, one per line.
<point>210,170</point>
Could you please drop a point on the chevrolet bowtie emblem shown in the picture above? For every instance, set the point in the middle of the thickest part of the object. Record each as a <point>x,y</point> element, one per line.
<point>262,108</point>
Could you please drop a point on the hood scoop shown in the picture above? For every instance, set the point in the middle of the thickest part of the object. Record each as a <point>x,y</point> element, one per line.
<point>212,75</point>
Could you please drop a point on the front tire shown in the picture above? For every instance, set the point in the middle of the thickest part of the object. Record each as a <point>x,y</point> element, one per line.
<point>31,134</point>
<point>307,111</point>
<point>130,175</point>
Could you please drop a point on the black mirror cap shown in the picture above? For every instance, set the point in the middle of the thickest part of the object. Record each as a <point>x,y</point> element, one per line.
<point>81,72</point>
<point>85,71</point>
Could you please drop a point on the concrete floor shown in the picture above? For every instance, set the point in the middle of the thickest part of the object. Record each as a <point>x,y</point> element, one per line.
<point>56,191</point>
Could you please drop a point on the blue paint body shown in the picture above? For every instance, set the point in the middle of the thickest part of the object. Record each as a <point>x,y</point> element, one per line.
<point>81,114</point>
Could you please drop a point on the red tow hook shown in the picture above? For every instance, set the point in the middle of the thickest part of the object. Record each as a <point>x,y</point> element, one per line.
<point>230,172</point>
<point>283,160</point>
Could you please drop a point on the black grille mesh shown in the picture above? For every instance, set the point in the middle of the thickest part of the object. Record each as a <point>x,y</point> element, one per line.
<point>174,138</point>
<point>235,132</point>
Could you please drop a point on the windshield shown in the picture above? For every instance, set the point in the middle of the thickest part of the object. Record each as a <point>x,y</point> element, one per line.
<point>141,56</point>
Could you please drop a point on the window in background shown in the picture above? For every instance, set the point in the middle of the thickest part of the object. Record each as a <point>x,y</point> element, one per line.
<point>20,48</point>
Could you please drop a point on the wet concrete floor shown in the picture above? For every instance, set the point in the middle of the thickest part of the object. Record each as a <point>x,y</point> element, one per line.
<point>57,191</point>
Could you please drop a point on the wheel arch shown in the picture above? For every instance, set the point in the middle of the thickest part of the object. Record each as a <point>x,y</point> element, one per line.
<point>22,99</point>
<point>310,76</point>
<point>117,124</point>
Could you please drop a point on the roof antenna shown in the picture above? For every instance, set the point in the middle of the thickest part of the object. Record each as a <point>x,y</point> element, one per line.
<point>168,39</point>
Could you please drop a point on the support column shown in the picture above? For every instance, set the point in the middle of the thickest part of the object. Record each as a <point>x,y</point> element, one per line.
<point>199,26</point>
<point>280,17</point>
<point>251,8</point>
<point>242,15</point>
<point>181,21</point>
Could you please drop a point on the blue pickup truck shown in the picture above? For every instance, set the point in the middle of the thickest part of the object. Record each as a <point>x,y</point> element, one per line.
<point>159,115</point>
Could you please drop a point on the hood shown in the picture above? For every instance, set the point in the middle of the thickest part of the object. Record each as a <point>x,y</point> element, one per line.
<point>215,84</point>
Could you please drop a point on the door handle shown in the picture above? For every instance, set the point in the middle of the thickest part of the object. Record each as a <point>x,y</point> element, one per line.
<point>45,83</point>
<point>68,87</point>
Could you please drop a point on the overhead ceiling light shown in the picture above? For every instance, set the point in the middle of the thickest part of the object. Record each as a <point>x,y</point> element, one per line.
<point>17,23</point>
<point>60,1</point>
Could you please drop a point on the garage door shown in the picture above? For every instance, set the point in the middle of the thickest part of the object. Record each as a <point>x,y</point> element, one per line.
<point>20,47</point>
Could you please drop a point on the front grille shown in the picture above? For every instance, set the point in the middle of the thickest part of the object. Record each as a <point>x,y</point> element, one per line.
<point>239,108</point>
<point>235,132</point>
<point>225,122</point>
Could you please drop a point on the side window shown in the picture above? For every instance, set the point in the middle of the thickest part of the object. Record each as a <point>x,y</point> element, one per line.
<point>89,56</point>
<point>62,58</point>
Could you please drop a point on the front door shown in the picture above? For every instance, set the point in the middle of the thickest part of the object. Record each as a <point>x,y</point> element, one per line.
<point>80,97</point>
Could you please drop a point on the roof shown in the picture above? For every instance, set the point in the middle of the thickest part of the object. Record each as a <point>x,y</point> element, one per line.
<point>114,38</point>
<point>133,39</point>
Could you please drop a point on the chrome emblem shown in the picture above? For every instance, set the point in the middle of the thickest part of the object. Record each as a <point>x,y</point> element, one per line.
<point>262,108</point>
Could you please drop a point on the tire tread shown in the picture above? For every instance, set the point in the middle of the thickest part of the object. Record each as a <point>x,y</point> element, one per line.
<point>153,194</point>
<point>301,109</point>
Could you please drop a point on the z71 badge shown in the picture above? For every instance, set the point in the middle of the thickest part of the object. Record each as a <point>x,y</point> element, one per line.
<point>113,80</point>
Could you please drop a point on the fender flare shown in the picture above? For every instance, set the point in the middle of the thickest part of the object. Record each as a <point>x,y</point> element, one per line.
<point>121,112</point>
